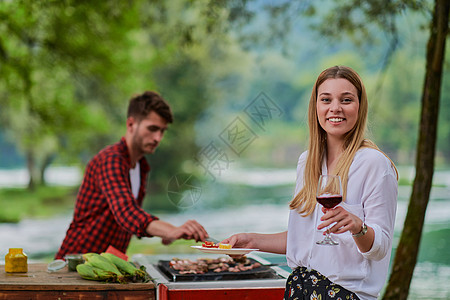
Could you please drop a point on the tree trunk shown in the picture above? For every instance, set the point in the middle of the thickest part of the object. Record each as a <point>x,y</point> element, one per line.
<point>45,164</point>
<point>31,166</point>
<point>408,247</point>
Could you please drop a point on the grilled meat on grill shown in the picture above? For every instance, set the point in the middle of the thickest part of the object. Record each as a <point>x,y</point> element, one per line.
<point>203,265</point>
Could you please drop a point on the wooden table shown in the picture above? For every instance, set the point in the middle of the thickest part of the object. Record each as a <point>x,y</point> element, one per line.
<point>39,284</point>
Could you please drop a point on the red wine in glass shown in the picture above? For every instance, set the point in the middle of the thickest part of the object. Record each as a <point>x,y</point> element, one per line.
<point>329,194</point>
<point>329,201</point>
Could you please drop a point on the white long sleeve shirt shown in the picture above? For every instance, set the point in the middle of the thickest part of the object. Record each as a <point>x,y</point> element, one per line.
<point>372,196</point>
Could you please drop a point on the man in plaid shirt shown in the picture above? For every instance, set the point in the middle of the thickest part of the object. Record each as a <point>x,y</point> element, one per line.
<point>108,207</point>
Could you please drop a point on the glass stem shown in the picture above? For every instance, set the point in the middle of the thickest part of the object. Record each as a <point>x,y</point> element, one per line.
<point>327,233</point>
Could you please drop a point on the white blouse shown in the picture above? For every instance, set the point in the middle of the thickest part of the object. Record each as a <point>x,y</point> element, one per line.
<point>372,196</point>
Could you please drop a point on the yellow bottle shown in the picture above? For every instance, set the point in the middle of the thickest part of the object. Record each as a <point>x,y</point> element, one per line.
<point>16,261</point>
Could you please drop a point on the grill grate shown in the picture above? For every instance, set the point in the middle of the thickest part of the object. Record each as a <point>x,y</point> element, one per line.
<point>262,272</point>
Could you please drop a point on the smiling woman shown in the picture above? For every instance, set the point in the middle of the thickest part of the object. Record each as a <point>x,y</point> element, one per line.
<point>337,108</point>
<point>363,225</point>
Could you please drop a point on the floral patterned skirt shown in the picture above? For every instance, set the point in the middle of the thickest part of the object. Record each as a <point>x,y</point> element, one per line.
<point>307,284</point>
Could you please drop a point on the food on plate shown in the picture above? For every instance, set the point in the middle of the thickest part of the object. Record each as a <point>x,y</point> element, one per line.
<point>208,244</point>
<point>224,246</point>
<point>217,265</point>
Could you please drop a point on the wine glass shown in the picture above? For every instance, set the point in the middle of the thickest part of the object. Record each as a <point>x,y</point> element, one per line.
<point>329,194</point>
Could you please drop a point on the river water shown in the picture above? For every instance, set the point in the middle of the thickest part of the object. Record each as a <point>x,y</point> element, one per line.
<point>41,238</point>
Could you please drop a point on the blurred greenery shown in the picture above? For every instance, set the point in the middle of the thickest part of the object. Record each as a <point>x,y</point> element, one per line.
<point>433,245</point>
<point>154,246</point>
<point>139,246</point>
<point>68,68</point>
<point>19,203</point>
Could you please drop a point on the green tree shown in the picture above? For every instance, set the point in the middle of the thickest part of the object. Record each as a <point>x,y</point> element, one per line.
<point>408,247</point>
<point>193,53</point>
<point>68,67</point>
<point>50,54</point>
<point>397,103</point>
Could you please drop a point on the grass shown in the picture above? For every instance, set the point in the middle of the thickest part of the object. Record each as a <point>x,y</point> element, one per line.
<point>43,202</point>
<point>153,246</point>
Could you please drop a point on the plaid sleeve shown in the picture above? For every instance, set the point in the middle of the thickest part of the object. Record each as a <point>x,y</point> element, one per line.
<point>114,182</point>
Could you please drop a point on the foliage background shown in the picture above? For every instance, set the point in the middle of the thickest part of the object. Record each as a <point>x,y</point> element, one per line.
<point>69,67</point>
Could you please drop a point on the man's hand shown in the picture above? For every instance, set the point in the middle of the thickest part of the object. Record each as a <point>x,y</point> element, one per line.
<point>169,233</point>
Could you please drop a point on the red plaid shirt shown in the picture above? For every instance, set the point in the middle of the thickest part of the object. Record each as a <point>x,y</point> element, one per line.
<point>106,212</point>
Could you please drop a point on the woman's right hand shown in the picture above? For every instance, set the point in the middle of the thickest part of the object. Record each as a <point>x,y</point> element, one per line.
<point>272,242</point>
<point>241,240</point>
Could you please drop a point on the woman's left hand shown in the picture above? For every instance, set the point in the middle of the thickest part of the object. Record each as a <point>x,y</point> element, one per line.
<point>343,221</point>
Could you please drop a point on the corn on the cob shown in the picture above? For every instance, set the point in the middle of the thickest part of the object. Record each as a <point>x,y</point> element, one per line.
<point>121,264</point>
<point>87,272</point>
<point>127,268</point>
<point>92,273</point>
<point>98,261</point>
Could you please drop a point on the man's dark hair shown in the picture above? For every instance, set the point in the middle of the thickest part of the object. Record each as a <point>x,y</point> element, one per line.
<point>141,105</point>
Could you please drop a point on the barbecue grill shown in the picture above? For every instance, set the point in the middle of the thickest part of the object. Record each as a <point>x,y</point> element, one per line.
<point>264,282</point>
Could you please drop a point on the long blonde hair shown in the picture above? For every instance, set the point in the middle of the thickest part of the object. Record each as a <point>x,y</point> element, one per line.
<point>304,202</point>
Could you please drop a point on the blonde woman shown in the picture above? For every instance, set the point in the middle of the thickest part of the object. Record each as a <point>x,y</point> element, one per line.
<point>363,224</point>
